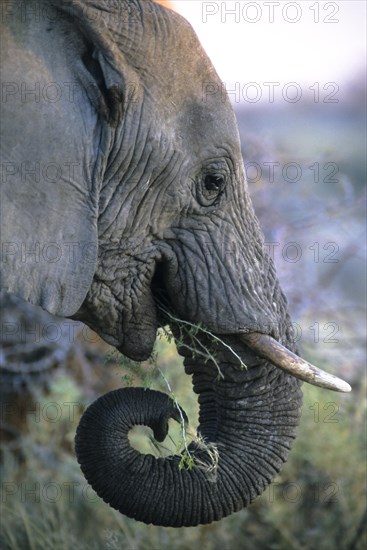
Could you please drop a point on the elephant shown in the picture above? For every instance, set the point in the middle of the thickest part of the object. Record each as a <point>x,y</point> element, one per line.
<point>125,206</point>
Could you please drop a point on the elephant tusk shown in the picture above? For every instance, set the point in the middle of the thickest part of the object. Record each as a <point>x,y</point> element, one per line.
<point>281,357</point>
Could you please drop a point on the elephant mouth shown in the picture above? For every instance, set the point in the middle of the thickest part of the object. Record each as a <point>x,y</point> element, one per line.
<point>260,344</point>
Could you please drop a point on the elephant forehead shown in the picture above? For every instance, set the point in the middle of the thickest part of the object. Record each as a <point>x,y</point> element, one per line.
<point>165,51</point>
<point>209,121</point>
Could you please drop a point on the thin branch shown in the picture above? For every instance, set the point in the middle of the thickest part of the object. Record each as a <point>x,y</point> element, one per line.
<point>200,328</point>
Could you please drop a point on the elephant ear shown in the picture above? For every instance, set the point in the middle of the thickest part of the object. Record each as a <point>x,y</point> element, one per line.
<point>49,152</point>
<point>48,247</point>
<point>48,224</point>
<point>49,195</point>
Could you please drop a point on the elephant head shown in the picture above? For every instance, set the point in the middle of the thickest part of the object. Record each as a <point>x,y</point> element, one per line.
<point>125,205</point>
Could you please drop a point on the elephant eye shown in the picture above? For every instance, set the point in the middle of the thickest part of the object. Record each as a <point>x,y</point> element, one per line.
<point>212,186</point>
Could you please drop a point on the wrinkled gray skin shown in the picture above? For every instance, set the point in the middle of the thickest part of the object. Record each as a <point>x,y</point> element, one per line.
<point>138,196</point>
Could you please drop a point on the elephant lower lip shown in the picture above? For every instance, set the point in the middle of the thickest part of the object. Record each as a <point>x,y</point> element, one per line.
<point>281,357</point>
<point>138,346</point>
<point>138,335</point>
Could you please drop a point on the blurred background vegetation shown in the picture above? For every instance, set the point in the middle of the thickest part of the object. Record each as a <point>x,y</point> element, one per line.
<point>312,212</point>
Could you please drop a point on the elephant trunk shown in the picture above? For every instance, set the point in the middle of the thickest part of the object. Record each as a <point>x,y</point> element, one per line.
<point>248,415</point>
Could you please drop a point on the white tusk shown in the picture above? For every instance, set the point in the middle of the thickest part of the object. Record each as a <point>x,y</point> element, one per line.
<point>281,357</point>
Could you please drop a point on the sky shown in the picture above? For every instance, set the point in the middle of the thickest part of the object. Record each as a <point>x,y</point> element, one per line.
<point>309,43</point>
